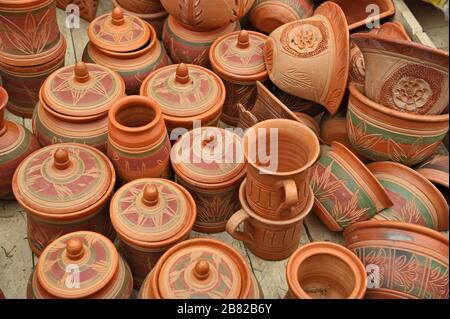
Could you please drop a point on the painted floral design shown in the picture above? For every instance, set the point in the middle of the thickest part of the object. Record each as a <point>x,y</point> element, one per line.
<point>216,209</point>
<point>411,93</point>
<point>305,39</point>
<point>437,283</point>
<point>323,184</point>
<point>412,155</point>
<point>405,272</point>
<point>347,213</point>
<point>360,138</point>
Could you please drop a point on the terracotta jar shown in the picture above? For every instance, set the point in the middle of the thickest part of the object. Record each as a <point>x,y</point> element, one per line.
<point>191,46</point>
<point>64,188</point>
<point>73,105</point>
<point>379,133</point>
<point>138,143</point>
<point>141,6</point>
<point>279,155</point>
<point>267,15</point>
<point>345,191</point>
<point>79,265</point>
<point>16,143</point>
<point>209,163</point>
<point>238,59</point>
<point>207,14</point>
<point>404,260</point>
<point>324,270</point>
<point>267,239</point>
<point>87,8</point>
<point>186,93</point>
<point>125,44</point>
<point>416,200</point>
<point>295,51</point>
<point>150,215</point>
<point>435,168</point>
<point>200,268</point>
<point>403,75</point>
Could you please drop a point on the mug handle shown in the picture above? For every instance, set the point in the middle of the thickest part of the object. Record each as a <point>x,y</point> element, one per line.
<point>233,224</point>
<point>290,194</point>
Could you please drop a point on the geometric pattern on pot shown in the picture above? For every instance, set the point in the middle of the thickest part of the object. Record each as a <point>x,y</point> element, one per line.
<point>416,200</point>
<point>345,191</point>
<point>382,134</point>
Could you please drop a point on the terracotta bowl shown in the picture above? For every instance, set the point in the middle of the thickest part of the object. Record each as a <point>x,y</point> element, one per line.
<point>323,270</point>
<point>333,128</point>
<point>382,134</point>
<point>345,191</point>
<point>403,260</point>
<point>435,168</point>
<point>141,6</point>
<point>416,200</point>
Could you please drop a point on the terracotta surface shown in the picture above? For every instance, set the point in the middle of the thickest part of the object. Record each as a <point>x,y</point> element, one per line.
<point>84,257</point>
<point>333,128</point>
<point>73,105</point>
<point>207,14</point>
<point>186,93</point>
<point>295,51</point>
<point>392,30</point>
<point>64,188</point>
<point>435,168</point>
<point>277,185</point>
<point>267,15</point>
<point>416,200</point>
<point>403,75</point>
<point>200,268</point>
<point>88,8</point>
<point>323,270</point>
<point>150,215</point>
<point>138,143</point>
<point>345,191</point>
<point>16,143</point>
<point>296,104</point>
<point>410,261</point>
<point>379,133</point>
<point>141,6</point>
<point>210,164</point>
<point>267,239</point>
<point>309,122</point>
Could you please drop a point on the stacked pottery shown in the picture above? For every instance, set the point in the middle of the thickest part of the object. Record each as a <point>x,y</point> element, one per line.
<point>32,48</point>
<point>276,196</point>
<point>87,8</point>
<point>193,26</point>
<point>126,44</point>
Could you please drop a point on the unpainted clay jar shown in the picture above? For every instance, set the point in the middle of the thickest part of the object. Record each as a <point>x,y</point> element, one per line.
<point>138,143</point>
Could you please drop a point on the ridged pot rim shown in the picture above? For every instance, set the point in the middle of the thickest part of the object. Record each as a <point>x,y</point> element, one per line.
<point>4,97</point>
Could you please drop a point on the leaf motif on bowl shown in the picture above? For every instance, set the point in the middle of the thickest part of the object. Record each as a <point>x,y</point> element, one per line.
<point>350,212</point>
<point>323,184</point>
<point>405,272</point>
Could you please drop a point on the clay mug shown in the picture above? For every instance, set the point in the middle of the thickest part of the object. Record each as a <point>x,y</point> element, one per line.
<point>279,154</point>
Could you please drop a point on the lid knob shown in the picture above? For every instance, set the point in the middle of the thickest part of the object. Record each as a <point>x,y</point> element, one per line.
<point>61,159</point>
<point>201,269</point>
<point>151,195</point>
<point>117,16</point>
<point>74,249</point>
<point>182,74</point>
<point>81,72</point>
<point>208,140</point>
<point>243,40</point>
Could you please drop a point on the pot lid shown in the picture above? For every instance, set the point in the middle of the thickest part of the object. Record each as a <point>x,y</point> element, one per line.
<point>63,178</point>
<point>202,268</point>
<point>152,210</point>
<point>239,56</point>
<point>77,265</point>
<point>119,32</point>
<point>83,89</point>
<point>209,155</point>
<point>184,90</point>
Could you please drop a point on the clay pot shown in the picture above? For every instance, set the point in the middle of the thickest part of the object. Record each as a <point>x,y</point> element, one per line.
<point>357,14</point>
<point>200,268</point>
<point>267,239</point>
<point>323,270</point>
<point>380,133</point>
<point>133,58</point>
<point>403,75</point>
<point>190,46</point>
<point>345,191</point>
<point>209,163</point>
<point>392,30</point>
<point>138,143</point>
<point>16,143</point>
<point>87,8</point>
<point>267,15</point>
<point>296,104</point>
<point>309,122</point>
<point>81,264</point>
<point>404,260</point>
<point>141,6</point>
<point>73,105</point>
<point>238,59</point>
<point>416,200</point>
<point>279,155</point>
<point>295,51</point>
<point>207,14</point>
<point>150,215</point>
<point>64,188</point>
<point>185,93</point>
<point>435,168</point>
